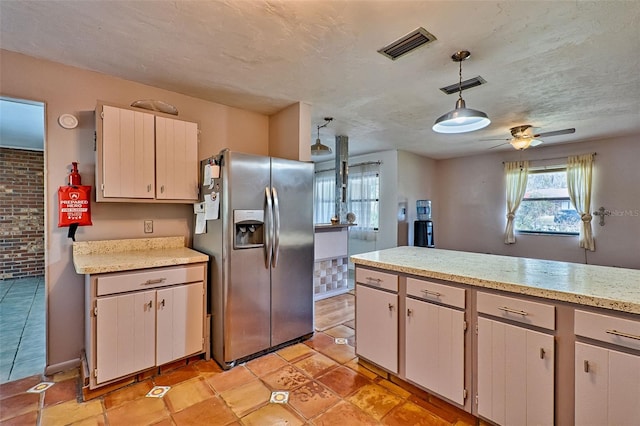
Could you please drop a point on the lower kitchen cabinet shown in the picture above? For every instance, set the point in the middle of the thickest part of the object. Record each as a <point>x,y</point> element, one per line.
<point>515,374</point>
<point>377,326</point>
<point>435,338</point>
<point>130,329</point>
<point>607,380</point>
<point>607,386</point>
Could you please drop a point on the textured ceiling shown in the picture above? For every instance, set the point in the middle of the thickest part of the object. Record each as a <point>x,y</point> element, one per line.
<point>551,64</point>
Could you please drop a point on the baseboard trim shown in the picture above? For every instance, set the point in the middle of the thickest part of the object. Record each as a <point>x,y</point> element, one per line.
<point>61,366</point>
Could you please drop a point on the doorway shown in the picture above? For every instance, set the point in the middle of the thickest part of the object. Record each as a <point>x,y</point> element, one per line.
<point>22,265</point>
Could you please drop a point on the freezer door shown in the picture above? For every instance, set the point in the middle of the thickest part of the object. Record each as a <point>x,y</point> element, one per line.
<point>292,261</point>
<point>246,282</point>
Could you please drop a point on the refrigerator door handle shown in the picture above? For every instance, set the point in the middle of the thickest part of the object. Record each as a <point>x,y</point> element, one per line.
<point>276,227</point>
<point>268,228</point>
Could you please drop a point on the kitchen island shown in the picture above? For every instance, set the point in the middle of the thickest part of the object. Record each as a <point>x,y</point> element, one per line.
<point>511,340</point>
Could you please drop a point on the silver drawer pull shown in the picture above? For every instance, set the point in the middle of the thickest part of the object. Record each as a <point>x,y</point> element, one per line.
<point>513,311</point>
<point>374,280</point>
<point>391,306</point>
<point>156,281</point>
<point>409,312</point>
<point>586,366</point>
<point>431,293</point>
<point>621,334</point>
<point>541,353</point>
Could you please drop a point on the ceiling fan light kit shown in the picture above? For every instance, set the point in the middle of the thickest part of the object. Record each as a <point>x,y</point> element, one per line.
<point>319,148</point>
<point>461,119</point>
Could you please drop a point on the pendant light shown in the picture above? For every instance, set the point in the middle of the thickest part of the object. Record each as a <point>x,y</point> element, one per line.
<point>318,148</point>
<point>461,119</point>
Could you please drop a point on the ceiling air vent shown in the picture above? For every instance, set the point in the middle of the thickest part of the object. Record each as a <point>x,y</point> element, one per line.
<point>466,84</point>
<point>408,43</point>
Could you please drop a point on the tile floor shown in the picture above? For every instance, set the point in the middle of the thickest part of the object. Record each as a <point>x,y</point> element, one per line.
<point>326,385</point>
<point>22,328</point>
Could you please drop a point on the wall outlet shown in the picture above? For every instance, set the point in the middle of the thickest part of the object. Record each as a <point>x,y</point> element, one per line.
<point>148,226</point>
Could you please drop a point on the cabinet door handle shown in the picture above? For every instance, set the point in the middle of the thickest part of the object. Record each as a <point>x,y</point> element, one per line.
<point>622,334</point>
<point>541,349</point>
<point>374,280</point>
<point>409,312</point>
<point>150,304</point>
<point>162,303</point>
<point>431,293</point>
<point>162,189</point>
<point>149,188</point>
<point>156,281</point>
<point>513,311</point>
<point>390,306</point>
<point>586,366</point>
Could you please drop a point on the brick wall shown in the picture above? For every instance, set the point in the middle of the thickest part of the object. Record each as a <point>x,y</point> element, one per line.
<point>21,213</point>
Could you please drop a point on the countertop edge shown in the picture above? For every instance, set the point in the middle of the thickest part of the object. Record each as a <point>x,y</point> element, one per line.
<point>551,294</point>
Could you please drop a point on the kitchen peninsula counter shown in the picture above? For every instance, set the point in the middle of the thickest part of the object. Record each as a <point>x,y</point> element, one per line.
<point>93,257</point>
<point>589,285</point>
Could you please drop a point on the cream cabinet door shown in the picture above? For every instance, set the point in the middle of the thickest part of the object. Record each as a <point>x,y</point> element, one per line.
<point>128,153</point>
<point>607,386</point>
<point>125,334</point>
<point>435,348</point>
<point>177,162</point>
<point>377,327</point>
<point>180,319</point>
<point>515,374</point>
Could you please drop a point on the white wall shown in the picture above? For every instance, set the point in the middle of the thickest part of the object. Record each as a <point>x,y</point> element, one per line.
<point>416,181</point>
<point>471,205</point>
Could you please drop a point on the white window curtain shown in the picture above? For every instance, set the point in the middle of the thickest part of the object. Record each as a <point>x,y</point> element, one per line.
<point>363,196</point>
<point>579,171</point>
<point>516,173</point>
<point>324,201</point>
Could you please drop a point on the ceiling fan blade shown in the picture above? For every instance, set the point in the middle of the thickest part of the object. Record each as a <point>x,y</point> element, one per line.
<point>536,142</point>
<point>506,143</point>
<point>495,139</point>
<point>555,133</point>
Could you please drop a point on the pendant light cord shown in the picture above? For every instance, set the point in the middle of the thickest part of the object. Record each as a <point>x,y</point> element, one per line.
<point>460,81</point>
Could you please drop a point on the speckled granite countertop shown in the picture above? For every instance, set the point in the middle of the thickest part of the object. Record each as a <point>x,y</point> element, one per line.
<point>590,285</point>
<point>94,257</point>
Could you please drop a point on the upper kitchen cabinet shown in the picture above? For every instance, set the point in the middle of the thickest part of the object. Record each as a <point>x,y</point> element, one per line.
<point>145,156</point>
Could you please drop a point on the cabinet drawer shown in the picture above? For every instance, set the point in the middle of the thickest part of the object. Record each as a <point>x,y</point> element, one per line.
<point>447,295</point>
<point>515,309</point>
<point>377,279</point>
<point>120,282</point>
<point>617,331</point>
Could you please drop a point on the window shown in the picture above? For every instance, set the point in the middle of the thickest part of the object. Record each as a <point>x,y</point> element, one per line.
<point>546,207</point>
<point>363,196</point>
<point>324,202</point>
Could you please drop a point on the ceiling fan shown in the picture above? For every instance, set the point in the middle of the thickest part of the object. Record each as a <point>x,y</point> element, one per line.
<point>522,137</point>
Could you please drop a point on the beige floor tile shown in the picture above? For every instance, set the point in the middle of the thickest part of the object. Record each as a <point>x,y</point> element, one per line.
<point>187,393</point>
<point>402,393</point>
<point>176,376</point>
<point>356,366</point>
<point>231,378</point>
<point>98,420</point>
<point>127,394</point>
<point>246,398</point>
<point>311,399</point>
<point>72,373</point>
<point>340,331</point>
<point>319,340</point>
<point>316,364</point>
<point>344,414</point>
<point>205,367</point>
<point>272,414</point>
<point>375,400</point>
<point>142,411</point>
<point>286,378</point>
<point>340,353</point>
<point>411,414</point>
<point>266,364</point>
<point>66,390</point>
<point>70,412</point>
<point>295,352</point>
<point>210,412</point>
<point>344,381</point>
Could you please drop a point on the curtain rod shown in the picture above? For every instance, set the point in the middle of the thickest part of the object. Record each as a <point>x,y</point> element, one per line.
<point>554,158</point>
<point>351,165</point>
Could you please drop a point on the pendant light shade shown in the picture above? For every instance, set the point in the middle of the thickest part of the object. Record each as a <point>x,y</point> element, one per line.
<point>318,148</point>
<point>461,119</point>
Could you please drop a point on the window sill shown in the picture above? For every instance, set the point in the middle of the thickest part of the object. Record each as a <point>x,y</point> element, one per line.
<point>558,234</point>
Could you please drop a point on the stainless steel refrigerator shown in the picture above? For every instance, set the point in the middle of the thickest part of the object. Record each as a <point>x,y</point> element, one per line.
<point>261,272</point>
